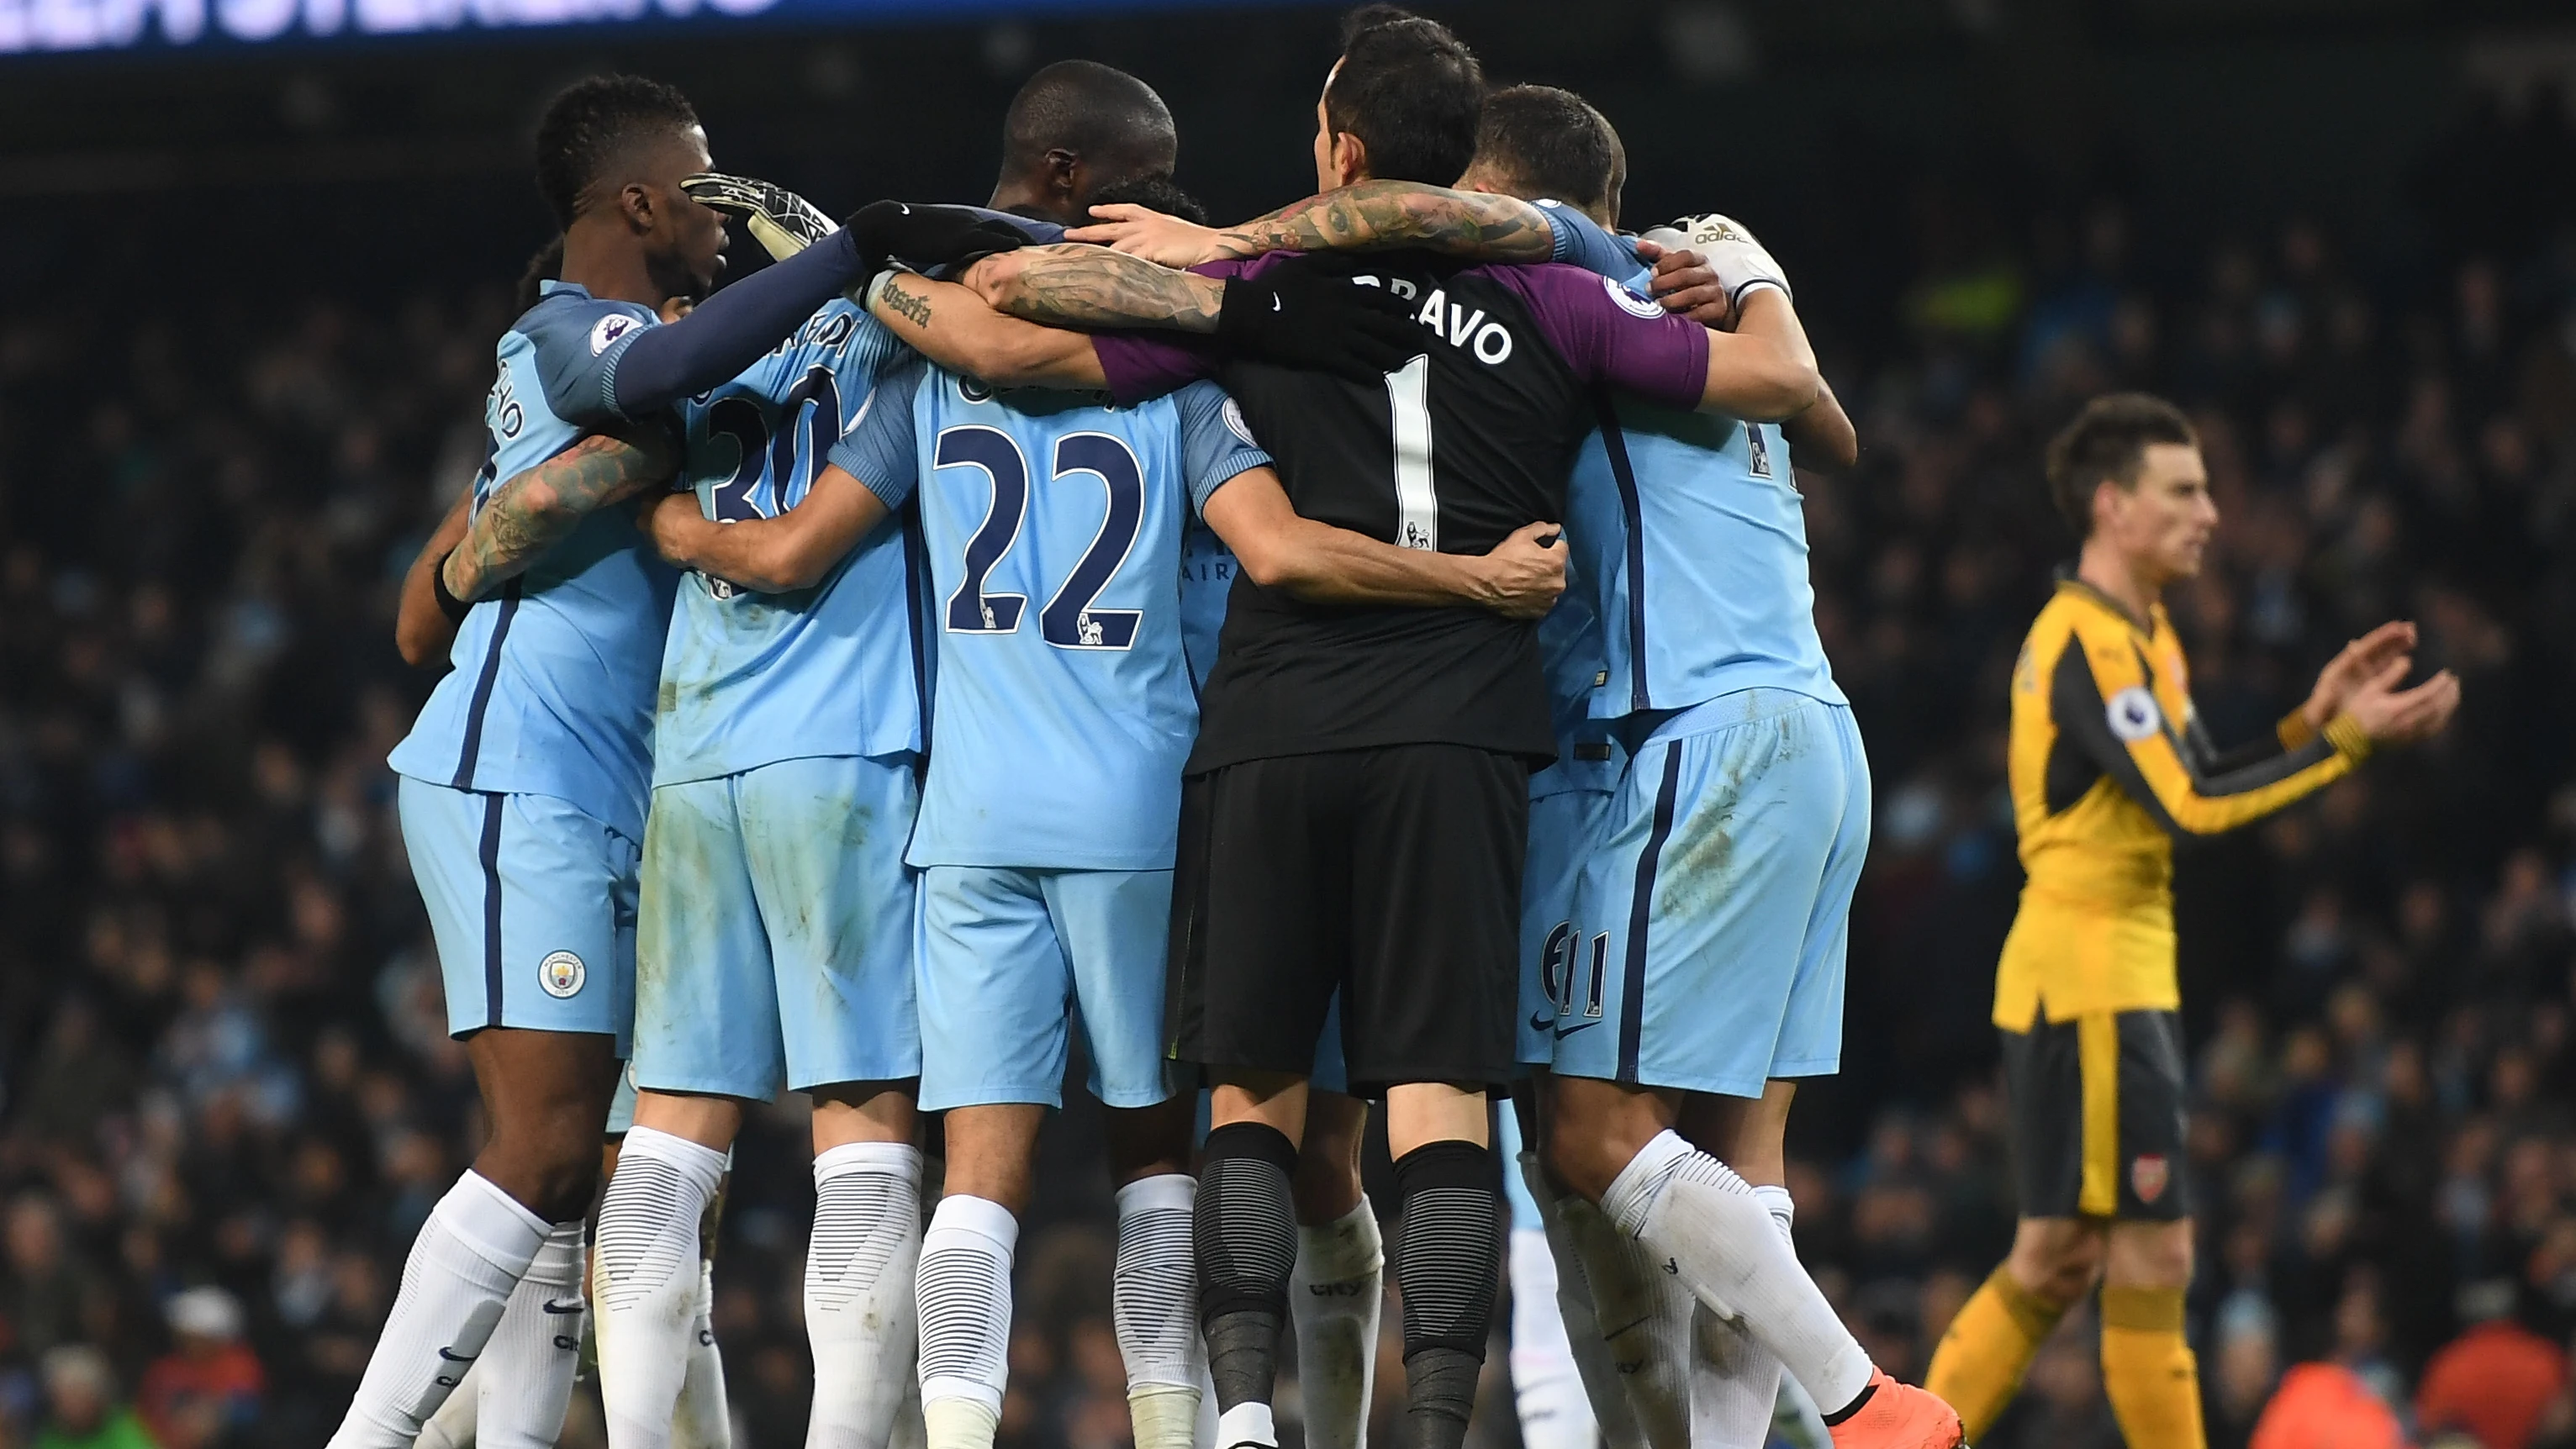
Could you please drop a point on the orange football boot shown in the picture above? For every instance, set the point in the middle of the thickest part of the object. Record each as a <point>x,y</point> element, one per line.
<point>1900,1416</point>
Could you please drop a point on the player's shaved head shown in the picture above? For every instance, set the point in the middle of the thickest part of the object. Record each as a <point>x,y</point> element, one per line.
<point>599,132</point>
<point>1539,142</point>
<point>2106,443</point>
<point>1097,117</point>
<point>1409,91</point>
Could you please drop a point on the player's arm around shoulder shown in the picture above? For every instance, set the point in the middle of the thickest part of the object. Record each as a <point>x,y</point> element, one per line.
<point>1072,285</point>
<point>769,555</point>
<point>1320,564</point>
<point>1764,370</point>
<point>953,326</point>
<point>1365,216</point>
<point>536,509</point>
<point>870,474</point>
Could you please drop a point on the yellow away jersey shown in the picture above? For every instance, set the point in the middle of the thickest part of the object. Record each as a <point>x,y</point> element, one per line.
<point>2108,764</point>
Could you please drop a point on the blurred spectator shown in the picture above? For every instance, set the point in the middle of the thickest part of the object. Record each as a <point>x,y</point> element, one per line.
<point>2495,1381</point>
<point>2327,1406</point>
<point>207,1389</point>
<point>81,1411</point>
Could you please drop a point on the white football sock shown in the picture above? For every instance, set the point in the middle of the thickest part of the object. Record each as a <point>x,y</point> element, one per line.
<point>1154,1297</point>
<point>1334,1297</point>
<point>1644,1319</point>
<point>1203,1432</point>
<point>1613,1419</point>
<point>1702,1220</point>
<point>469,1255</point>
<point>964,1292</point>
<point>909,1431</point>
<point>1547,1388</point>
<point>859,1267</point>
<point>1736,1383</point>
<point>649,1281</point>
<point>452,1427</point>
<point>524,1379</point>
<point>703,1418</point>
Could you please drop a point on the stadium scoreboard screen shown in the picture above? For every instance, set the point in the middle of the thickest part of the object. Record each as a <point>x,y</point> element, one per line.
<point>41,27</point>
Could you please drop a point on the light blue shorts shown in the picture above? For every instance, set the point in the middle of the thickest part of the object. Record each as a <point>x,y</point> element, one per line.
<point>621,1104</point>
<point>1556,951</point>
<point>1012,961</point>
<point>1722,878</point>
<point>776,941</point>
<point>532,904</point>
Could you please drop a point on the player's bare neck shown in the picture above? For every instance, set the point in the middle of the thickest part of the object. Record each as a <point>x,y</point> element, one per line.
<point>2119,579</point>
<point>1030,198</point>
<point>606,259</point>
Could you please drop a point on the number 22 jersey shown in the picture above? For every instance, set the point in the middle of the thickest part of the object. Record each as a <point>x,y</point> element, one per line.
<point>1470,440</point>
<point>1053,528</point>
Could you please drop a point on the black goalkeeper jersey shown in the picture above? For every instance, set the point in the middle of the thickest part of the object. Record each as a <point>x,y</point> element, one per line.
<point>1470,440</point>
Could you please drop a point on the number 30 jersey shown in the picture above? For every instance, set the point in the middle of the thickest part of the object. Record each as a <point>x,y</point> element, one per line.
<point>1053,523</point>
<point>749,679</point>
<point>1470,440</point>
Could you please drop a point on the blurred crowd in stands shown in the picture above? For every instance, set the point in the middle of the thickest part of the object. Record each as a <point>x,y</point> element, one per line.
<point>230,1099</point>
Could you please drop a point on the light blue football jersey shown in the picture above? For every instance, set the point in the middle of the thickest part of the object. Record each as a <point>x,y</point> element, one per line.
<point>1207,579</point>
<point>1690,543</point>
<point>1569,648</point>
<point>552,693</point>
<point>749,679</point>
<point>1063,708</point>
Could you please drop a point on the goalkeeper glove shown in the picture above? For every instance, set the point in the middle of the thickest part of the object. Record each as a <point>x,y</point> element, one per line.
<point>1296,315</point>
<point>1741,264</point>
<point>783,222</point>
<point>924,237</point>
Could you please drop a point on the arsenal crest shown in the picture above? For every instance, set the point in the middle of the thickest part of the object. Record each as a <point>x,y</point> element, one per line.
<point>2148,1175</point>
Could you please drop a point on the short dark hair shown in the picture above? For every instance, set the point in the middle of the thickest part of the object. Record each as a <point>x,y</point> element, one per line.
<point>1098,112</point>
<point>2104,444</point>
<point>1159,192</point>
<point>1411,92</point>
<point>593,126</point>
<point>1548,143</point>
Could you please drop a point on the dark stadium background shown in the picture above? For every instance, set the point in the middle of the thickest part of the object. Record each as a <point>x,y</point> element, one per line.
<point>247,323</point>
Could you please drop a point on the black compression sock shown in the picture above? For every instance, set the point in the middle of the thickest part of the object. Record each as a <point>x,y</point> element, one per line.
<point>1439,1394</point>
<point>1246,1240</point>
<point>1447,1259</point>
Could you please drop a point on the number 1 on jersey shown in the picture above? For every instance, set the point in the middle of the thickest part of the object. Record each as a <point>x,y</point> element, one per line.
<point>1417,494</point>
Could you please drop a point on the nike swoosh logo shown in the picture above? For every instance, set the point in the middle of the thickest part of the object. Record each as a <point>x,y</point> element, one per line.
<point>1274,304</point>
<point>456,1357</point>
<point>1542,1019</point>
<point>562,1306</point>
<point>1563,1032</point>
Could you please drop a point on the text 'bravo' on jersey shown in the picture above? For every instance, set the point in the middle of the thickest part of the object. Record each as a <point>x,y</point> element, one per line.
<point>749,678</point>
<point>1053,528</point>
<point>552,693</point>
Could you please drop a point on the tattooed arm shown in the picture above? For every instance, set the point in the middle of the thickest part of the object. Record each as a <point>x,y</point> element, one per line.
<point>1087,286</point>
<point>1370,216</point>
<point>953,327</point>
<point>534,510</point>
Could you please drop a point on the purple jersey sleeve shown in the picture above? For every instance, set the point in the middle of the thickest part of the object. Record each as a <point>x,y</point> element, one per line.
<point>1609,334</point>
<point>1142,365</point>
